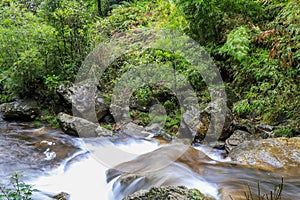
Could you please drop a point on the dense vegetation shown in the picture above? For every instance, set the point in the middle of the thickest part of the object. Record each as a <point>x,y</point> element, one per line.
<point>255,45</point>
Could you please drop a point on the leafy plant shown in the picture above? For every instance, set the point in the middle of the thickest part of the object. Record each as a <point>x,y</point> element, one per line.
<point>18,190</point>
<point>237,44</point>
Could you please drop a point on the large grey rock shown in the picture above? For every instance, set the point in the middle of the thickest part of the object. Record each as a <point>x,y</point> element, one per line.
<point>214,121</point>
<point>81,127</point>
<point>84,101</point>
<point>20,110</point>
<point>168,192</point>
<point>268,154</point>
<point>221,118</point>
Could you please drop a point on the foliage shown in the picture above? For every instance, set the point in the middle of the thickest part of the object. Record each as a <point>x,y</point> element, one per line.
<point>18,190</point>
<point>72,21</point>
<point>125,17</point>
<point>47,116</point>
<point>267,81</point>
<point>255,44</point>
<point>209,21</point>
<point>42,44</point>
<point>24,48</point>
<point>166,15</point>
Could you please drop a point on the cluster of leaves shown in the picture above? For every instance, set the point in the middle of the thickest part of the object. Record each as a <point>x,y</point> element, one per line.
<point>18,190</point>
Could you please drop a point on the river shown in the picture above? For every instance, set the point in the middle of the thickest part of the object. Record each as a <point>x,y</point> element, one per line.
<point>55,162</point>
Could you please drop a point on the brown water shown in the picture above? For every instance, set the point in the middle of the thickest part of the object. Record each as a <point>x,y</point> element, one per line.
<point>56,162</point>
<point>36,151</point>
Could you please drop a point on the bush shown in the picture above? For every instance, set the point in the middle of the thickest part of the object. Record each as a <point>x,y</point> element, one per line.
<point>42,45</point>
<point>23,49</point>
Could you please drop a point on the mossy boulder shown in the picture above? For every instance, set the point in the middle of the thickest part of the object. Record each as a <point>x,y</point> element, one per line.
<point>168,193</point>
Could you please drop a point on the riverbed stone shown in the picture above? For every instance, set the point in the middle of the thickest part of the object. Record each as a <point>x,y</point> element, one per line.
<point>83,100</point>
<point>20,110</point>
<point>168,192</point>
<point>268,154</point>
<point>77,126</point>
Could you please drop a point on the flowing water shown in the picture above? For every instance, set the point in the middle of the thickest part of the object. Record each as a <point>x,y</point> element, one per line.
<point>55,162</point>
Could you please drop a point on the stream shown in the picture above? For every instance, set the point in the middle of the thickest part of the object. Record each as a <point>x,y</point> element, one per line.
<point>55,162</point>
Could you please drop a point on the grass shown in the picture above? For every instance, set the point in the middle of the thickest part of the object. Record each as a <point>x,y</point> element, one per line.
<point>276,194</point>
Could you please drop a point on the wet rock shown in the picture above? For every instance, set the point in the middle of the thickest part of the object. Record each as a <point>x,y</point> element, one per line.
<point>20,110</point>
<point>213,109</point>
<point>81,127</point>
<point>135,130</point>
<point>268,154</point>
<point>151,131</point>
<point>237,138</point>
<point>62,196</point>
<point>168,192</point>
<point>83,100</point>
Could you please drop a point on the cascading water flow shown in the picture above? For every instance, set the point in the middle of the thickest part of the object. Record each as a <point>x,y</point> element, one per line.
<point>54,162</point>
